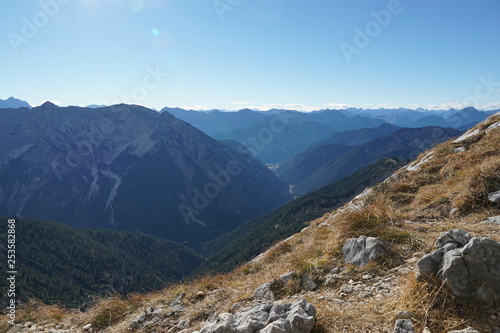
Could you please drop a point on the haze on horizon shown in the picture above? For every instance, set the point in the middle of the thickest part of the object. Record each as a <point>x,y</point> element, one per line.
<point>260,54</point>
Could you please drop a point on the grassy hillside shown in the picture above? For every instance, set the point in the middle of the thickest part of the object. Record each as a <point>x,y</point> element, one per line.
<point>58,263</point>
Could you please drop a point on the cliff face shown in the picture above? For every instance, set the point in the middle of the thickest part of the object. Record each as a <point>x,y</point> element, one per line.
<point>127,167</point>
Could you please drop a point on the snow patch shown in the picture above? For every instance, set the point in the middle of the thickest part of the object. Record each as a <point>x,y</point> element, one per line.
<point>467,135</point>
<point>112,195</point>
<point>493,126</point>
<point>416,165</point>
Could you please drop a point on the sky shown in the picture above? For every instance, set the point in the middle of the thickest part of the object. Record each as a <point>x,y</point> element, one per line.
<point>261,54</point>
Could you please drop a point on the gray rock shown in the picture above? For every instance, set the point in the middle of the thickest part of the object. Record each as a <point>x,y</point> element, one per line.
<point>494,220</point>
<point>223,324</point>
<point>494,197</point>
<point>278,326</point>
<point>359,251</point>
<point>264,292</point>
<point>431,263</point>
<point>286,278</point>
<point>472,271</point>
<point>308,283</point>
<point>404,326</point>
<point>266,317</point>
<point>177,305</point>
<point>404,315</point>
<point>252,318</point>
<point>467,330</point>
<point>459,236</point>
<point>15,329</point>
<point>298,318</point>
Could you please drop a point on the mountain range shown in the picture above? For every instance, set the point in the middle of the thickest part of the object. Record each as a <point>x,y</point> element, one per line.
<point>128,168</point>
<point>328,163</point>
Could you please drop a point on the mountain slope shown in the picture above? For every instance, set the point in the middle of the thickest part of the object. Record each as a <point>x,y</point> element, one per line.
<point>128,168</point>
<point>360,136</point>
<point>403,144</point>
<point>58,263</point>
<point>306,163</point>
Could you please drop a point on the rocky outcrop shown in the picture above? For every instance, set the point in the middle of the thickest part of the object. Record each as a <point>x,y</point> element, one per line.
<point>266,317</point>
<point>404,326</point>
<point>470,266</point>
<point>359,251</point>
<point>494,197</point>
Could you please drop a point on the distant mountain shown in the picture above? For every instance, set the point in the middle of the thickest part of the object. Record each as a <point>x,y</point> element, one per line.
<point>306,163</point>
<point>13,103</point>
<point>128,168</point>
<point>273,136</point>
<point>403,144</point>
<point>58,263</point>
<point>279,145</point>
<point>360,136</point>
<point>247,241</point>
<point>465,118</point>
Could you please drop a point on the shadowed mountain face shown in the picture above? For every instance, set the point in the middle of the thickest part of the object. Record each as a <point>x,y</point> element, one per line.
<point>313,169</point>
<point>128,167</point>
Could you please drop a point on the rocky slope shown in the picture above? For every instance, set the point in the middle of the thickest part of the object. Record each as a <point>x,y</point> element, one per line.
<point>128,168</point>
<point>393,225</point>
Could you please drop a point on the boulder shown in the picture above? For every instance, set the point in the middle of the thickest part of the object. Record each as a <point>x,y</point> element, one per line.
<point>493,220</point>
<point>308,283</point>
<point>404,326</point>
<point>264,292</point>
<point>494,197</point>
<point>459,236</point>
<point>359,251</point>
<point>266,317</point>
<point>467,330</point>
<point>471,271</point>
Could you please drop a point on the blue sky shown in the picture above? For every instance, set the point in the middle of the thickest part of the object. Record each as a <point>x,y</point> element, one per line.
<point>232,54</point>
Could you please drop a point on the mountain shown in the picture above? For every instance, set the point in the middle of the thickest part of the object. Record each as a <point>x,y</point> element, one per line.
<point>274,144</point>
<point>306,163</point>
<point>13,103</point>
<point>58,263</point>
<point>128,168</point>
<point>273,136</point>
<point>360,136</point>
<point>465,118</point>
<point>247,241</point>
<point>403,144</point>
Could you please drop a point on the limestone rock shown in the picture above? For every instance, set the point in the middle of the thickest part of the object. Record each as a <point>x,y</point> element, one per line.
<point>404,326</point>
<point>467,330</point>
<point>471,271</point>
<point>308,283</point>
<point>459,236</point>
<point>359,251</point>
<point>494,220</point>
<point>264,292</point>
<point>494,197</point>
<point>266,317</point>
